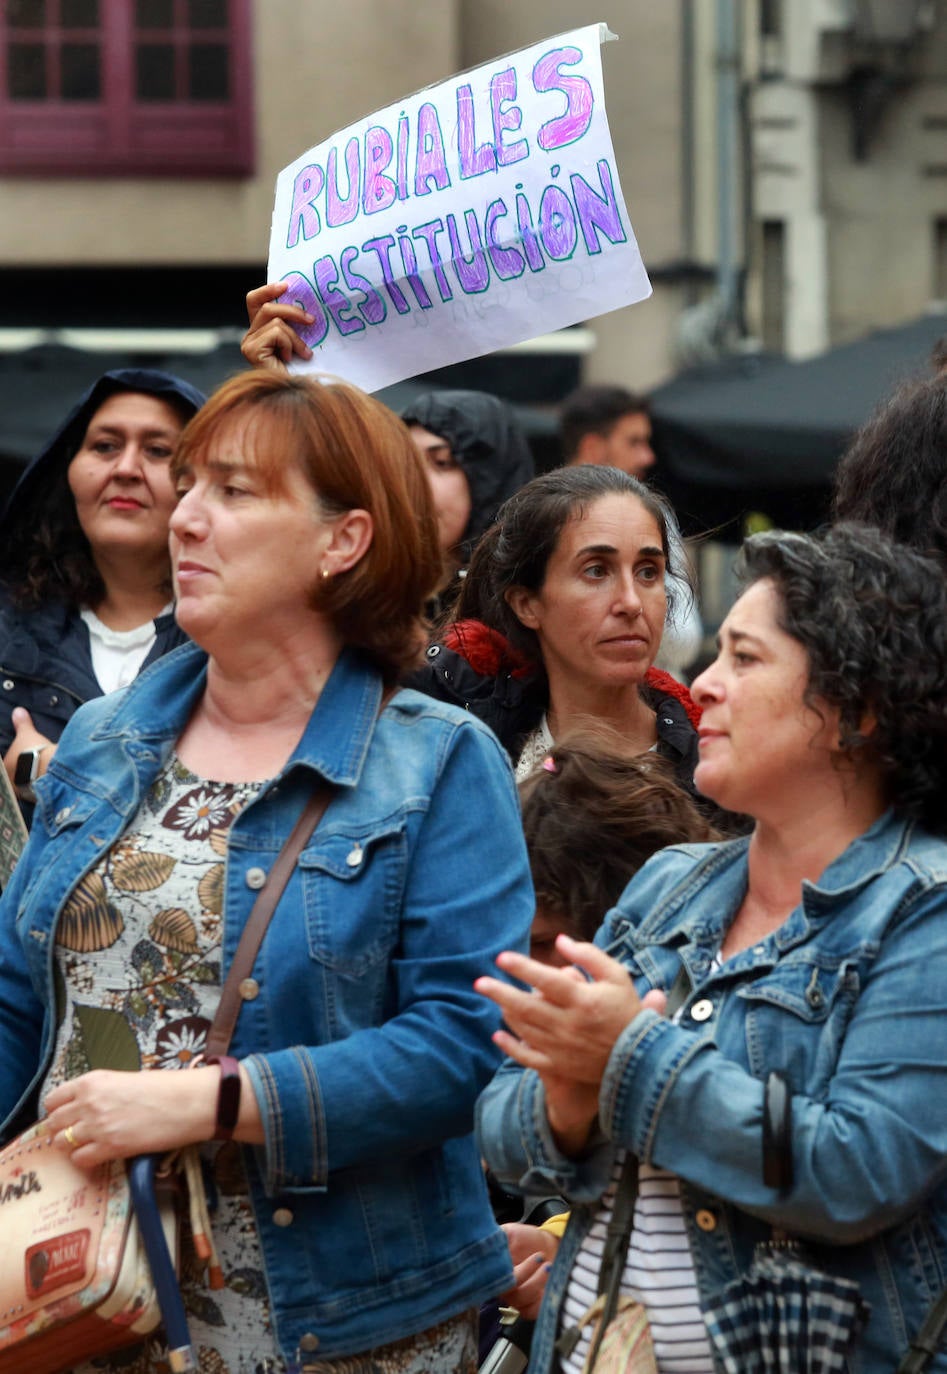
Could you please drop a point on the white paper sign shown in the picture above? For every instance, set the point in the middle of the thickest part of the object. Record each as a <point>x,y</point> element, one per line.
<point>472,215</point>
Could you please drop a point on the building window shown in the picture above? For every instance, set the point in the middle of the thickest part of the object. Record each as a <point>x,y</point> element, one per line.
<point>125,87</point>
<point>773,322</point>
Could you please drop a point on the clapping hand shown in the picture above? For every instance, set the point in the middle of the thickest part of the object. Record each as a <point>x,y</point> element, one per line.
<point>565,1027</point>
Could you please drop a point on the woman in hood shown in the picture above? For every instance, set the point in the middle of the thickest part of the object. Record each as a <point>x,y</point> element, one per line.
<point>476,456</point>
<point>85,586</point>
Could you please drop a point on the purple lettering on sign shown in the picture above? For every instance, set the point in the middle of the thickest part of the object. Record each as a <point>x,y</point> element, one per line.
<point>378,191</point>
<point>373,307</point>
<point>598,212</point>
<point>431,159</point>
<point>302,293</point>
<point>524,218</point>
<point>404,130</point>
<point>557,226</point>
<point>327,282</point>
<point>575,120</point>
<point>502,89</point>
<point>382,247</point>
<point>409,261</point>
<point>339,211</point>
<point>507,262</point>
<point>304,215</point>
<point>474,161</point>
<point>473,270</point>
<point>429,232</point>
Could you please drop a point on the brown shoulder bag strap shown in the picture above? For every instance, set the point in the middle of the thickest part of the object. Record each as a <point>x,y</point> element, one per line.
<point>222,1026</point>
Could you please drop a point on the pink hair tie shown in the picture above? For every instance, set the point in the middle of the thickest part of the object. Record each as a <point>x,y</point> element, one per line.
<point>549,763</point>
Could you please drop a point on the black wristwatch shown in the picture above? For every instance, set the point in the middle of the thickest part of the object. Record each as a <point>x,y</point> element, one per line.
<point>27,771</point>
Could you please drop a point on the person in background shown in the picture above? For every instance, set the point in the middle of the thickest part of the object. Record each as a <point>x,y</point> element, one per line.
<point>560,618</point>
<point>893,475</point>
<point>815,949</point>
<point>85,576</point>
<point>353,1214</point>
<point>477,456</point>
<point>611,427</point>
<point>592,816</point>
<point>474,450</point>
<point>607,426</point>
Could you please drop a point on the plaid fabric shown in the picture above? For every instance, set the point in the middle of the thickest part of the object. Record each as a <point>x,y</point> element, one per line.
<point>785,1317</point>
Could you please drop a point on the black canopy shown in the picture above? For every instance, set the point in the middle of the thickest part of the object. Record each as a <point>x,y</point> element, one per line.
<point>761,433</point>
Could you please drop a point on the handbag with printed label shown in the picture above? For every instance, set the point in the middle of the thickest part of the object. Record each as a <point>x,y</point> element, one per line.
<point>74,1279</point>
<point>87,1263</point>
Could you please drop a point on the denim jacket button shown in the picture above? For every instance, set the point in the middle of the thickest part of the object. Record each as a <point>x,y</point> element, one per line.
<point>702,1010</point>
<point>354,856</point>
<point>8,684</point>
<point>706,1220</point>
<point>63,815</point>
<point>249,989</point>
<point>256,877</point>
<point>309,1342</point>
<point>282,1217</point>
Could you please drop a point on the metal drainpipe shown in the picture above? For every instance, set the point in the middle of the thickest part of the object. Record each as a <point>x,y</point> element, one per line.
<point>688,244</point>
<point>728,116</point>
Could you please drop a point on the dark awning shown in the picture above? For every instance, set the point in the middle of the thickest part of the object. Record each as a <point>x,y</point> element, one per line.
<point>761,432</point>
<point>764,421</point>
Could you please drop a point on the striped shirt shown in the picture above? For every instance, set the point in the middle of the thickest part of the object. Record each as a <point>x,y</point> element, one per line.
<point>659,1272</point>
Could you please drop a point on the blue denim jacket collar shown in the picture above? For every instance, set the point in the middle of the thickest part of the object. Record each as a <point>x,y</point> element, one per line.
<point>722,872</point>
<point>334,743</point>
<point>871,854</point>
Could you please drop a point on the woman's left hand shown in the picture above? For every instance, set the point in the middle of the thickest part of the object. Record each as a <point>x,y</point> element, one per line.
<point>567,1025</point>
<point>26,736</point>
<point>106,1115</point>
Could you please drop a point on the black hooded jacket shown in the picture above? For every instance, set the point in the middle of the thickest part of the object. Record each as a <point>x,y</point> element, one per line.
<point>486,440</point>
<point>45,655</point>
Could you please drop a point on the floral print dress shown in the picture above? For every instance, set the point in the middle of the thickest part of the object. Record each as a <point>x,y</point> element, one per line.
<point>138,950</point>
<point>138,982</point>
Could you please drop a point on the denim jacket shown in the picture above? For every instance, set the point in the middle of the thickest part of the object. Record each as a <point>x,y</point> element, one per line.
<point>847,999</point>
<point>366,1045</point>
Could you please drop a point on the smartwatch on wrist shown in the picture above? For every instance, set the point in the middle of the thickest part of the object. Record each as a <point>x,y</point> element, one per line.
<point>27,771</point>
<point>228,1095</point>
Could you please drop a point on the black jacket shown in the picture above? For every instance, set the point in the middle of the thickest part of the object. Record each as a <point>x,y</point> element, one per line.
<point>513,706</point>
<point>46,665</point>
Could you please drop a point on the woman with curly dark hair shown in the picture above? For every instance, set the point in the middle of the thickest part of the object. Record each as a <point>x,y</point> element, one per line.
<point>894,473</point>
<point>799,1086</point>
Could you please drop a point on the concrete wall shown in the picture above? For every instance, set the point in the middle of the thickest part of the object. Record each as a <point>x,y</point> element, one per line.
<point>317,66</point>
<point>861,239</point>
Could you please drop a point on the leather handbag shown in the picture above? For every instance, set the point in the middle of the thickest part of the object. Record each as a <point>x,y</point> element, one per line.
<point>75,1279</point>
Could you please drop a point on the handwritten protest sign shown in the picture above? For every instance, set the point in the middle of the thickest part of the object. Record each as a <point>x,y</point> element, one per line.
<point>477,213</point>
